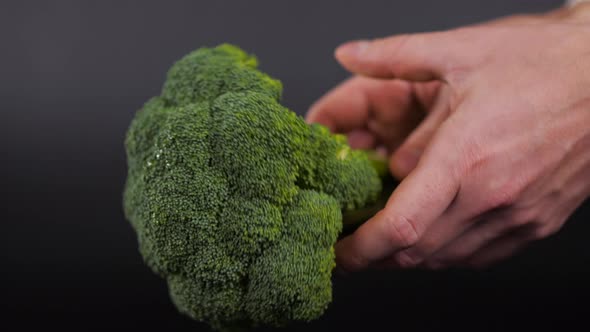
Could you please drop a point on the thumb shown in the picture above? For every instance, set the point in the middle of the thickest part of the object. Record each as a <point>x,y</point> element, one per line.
<point>419,200</point>
<point>415,57</point>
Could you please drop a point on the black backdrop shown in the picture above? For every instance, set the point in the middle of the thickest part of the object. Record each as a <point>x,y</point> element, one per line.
<point>72,73</point>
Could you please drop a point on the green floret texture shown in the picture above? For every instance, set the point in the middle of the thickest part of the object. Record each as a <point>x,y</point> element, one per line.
<point>236,201</point>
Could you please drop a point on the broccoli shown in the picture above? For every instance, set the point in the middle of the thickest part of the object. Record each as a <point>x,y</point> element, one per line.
<point>236,201</point>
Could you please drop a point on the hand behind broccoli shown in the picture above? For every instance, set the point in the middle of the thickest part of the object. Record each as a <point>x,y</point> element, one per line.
<point>235,200</point>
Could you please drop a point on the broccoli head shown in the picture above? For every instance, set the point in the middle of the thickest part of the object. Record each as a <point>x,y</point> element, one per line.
<point>236,201</point>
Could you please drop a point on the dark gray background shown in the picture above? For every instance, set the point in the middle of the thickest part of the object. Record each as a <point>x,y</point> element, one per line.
<point>72,74</point>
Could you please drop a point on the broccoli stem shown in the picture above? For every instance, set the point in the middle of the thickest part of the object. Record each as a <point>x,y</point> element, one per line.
<point>353,219</point>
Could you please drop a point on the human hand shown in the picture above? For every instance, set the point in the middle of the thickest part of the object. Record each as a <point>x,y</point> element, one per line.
<point>488,127</point>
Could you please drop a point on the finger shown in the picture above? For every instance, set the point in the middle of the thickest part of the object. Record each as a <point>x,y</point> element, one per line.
<point>443,231</point>
<point>416,57</point>
<point>392,127</point>
<point>394,113</point>
<point>342,109</point>
<point>359,101</point>
<point>361,139</point>
<point>454,222</point>
<point>421,198</point>
<point>472,240</point>
<point>499,250</point>
<point>488,229</point>
<point>406,157</point>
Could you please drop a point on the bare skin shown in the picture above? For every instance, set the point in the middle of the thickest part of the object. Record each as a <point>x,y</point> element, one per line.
<point>487,126</point>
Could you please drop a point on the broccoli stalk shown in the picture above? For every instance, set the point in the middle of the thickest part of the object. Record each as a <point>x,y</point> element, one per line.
<point>236,201</point>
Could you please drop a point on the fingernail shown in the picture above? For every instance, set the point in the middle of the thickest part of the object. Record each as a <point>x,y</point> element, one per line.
<point>360,139</point>
<point>352,49</point>
<point>409,159</point>
<point>382,151</point>
<point>309,116</point>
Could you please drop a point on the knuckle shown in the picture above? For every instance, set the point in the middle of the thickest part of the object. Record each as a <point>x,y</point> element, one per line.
<point>513,223</point>
<point>517,221</point>
<point>505,195</point>
<point>521,217</point>
<point>394,48</point>
<point>356,262</point>
<point>349,255</point>
<point>502,197</point>
<point>530,219</point>
<point>544,231</point>
<point>493,189</point>
<point>406,260</point>
<point>402,232</point>
<point>428,245</point>
<point>539,233</point>
<point>352,262</point>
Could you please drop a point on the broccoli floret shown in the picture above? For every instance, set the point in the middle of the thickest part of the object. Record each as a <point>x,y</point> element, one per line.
<point>235,200</point>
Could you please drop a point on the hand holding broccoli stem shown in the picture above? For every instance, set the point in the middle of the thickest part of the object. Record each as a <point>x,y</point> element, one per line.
<point>488,126</point>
